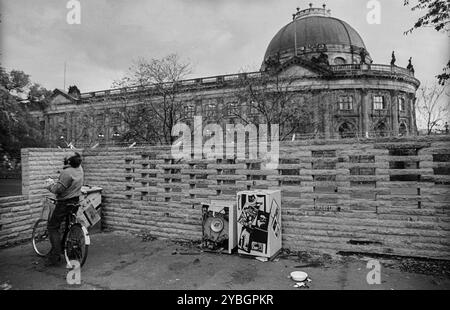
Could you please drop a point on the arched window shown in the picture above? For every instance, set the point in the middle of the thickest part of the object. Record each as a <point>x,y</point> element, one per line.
<point>339,61</point>
<point>347,130</point>
<point>401,104</point>
<point>403,129</point>
<point>381,130</point>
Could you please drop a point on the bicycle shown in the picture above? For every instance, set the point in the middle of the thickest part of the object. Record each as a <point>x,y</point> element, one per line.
<point>75,239</point>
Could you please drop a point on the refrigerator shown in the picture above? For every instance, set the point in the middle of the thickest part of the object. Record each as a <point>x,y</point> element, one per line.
<point>259,222</point>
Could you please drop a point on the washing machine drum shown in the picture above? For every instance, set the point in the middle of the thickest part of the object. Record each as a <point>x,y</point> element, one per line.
<point>215,228</point>
<point>217,224</point>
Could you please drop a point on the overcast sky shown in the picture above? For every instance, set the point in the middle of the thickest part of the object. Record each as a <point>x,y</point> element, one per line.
<point>217,36</point>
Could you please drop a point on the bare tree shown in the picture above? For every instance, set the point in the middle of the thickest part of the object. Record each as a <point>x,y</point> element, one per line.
<point>432,108</point>
<point>88,128</point>
<point>158,103</point>
<point>274,99</point>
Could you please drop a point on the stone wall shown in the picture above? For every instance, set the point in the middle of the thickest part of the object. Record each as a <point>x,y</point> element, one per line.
<point>387,196</point>
<point>19,213</point>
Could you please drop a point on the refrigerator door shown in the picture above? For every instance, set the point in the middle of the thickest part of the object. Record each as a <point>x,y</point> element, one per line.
<point>259,222</point>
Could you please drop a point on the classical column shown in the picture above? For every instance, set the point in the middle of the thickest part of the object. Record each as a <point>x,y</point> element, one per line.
<point>316,118</point>
<point>394,112</point>
<point>412,110</point>
<point>326,115</point>
<point>365,107</point>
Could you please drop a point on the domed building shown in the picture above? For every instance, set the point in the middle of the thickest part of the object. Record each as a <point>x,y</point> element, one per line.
<point>330,73</point>
<point>357,97</point>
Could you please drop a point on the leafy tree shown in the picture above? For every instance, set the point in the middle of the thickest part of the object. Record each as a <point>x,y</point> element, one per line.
<point>437,16</point>
<point>18,128</point>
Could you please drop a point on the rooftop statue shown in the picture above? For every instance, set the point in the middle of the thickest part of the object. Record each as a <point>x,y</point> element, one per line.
<point>393,59</point>
<point>410,66</point>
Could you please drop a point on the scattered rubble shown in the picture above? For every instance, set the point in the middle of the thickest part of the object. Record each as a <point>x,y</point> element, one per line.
<point>409,264</point>
<point>146,236</point>
<point>428,267</point>
<point>262,259</point>
<point>183,252</point>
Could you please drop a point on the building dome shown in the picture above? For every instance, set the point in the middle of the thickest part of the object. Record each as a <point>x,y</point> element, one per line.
<point>314,31</point>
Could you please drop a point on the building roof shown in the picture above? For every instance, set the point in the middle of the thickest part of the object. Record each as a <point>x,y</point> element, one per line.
<point>312,27</point>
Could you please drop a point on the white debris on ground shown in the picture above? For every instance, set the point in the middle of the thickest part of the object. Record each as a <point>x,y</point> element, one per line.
<point>5,286</point>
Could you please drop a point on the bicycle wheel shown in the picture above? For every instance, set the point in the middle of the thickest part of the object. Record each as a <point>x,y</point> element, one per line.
<point>40,238</point>
<point>76,244</point>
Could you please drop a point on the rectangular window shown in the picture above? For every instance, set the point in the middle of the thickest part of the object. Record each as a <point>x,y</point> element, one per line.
<point>345,103</point>
<point>198,106</point>
<point>115,118</point>
<point>378,103</point>
<point>233,108</point>
<point>210,109</point>
<point>99,119</point>
<point>252,108</point>
<point>189,111</point>
<point>401,104</point>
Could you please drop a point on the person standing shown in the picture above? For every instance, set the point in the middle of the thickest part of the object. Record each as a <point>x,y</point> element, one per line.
<point>67,190</point>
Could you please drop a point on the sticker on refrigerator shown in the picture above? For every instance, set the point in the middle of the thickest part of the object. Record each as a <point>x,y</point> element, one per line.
<point>244,240</point>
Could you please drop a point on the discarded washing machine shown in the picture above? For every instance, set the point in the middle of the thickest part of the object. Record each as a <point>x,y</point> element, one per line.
<point>259,222</point>
<point>219,226</point>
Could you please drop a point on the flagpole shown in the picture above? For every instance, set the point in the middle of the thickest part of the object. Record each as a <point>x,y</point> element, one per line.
<point>64,88</point>
<point>295,34</point>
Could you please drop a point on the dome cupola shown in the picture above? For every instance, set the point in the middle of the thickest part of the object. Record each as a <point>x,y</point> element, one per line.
<point>313,34</point>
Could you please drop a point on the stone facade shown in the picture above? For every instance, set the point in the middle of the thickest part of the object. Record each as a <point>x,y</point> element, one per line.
<point>349,94</point>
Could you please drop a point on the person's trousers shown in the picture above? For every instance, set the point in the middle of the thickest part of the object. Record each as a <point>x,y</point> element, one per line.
<point>60,213</point>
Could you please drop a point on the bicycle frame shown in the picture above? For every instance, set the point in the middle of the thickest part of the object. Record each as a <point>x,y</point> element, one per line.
<point>70,221</point>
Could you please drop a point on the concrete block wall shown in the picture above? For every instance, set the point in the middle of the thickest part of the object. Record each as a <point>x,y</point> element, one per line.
<point>17,216</point>
<point>389,196</point>
<point>19,213</point>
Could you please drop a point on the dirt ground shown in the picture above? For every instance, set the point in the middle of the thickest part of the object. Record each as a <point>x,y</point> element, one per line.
<point>124,261</point>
